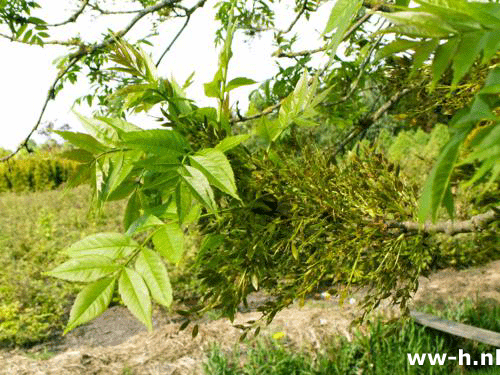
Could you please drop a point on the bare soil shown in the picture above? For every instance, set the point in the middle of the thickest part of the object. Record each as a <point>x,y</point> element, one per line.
<point>116,343</point>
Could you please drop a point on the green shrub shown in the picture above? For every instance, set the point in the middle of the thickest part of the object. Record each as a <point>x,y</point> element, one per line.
<point>35,173</point>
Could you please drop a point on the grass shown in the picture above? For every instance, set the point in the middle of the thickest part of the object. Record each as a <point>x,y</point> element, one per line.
<point>34,227</point>
<point>382,351</point>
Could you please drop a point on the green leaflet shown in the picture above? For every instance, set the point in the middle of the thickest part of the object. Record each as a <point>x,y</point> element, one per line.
<point>99,130</point>
<point>399,45</point>
<point>470,28</point>
<point>213,89</point>
<point>169,242</point>
<point>132,211</point>
<point>239,82</point>
<point>119,165</point>
<point>91,302</point>
<point>342,10</point>
<point>231,142</point>
<point>144,223</point>
<point>86,268</point>
<point>83,141</point>
<point>216,168</point>
<point>423,52</point>
<point>200,187</point>
<point>83,174</point>
<point>111,245</point>
<point>157,141</point>
<point>135,296</point>
<point>119,125</point>
<point>436,189</point>
<point>183,201</point>
<point>150,266</point>
<point>442,59</point>
<point>78,155</point>
<point>471,44</point>
<point>340,18</point>
<point>419,24</point>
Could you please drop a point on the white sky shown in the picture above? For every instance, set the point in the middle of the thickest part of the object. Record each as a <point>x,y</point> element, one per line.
<point>26,72</point>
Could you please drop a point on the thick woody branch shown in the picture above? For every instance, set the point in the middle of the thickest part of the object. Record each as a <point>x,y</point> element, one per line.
<point>474,224</point>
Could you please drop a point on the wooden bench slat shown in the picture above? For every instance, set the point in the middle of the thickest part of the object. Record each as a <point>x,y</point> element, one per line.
<point>457,329</point>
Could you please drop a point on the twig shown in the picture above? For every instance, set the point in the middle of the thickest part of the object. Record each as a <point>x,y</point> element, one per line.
<point>355,84</point>
<point>277,105</point>
<point>265,112</point>
<point>110,12</point>
<point>73,17</point>
<point>374,6</point>
<point>173,40</point>
<point>366,122</point>
<point>50,95</point>
<point>110,40</point>
<point>353,28</point>
<point>189,12</point>
<point>474,224</point>
<point>294,22</point>
<point>280,31</point>
<point>67,43</point>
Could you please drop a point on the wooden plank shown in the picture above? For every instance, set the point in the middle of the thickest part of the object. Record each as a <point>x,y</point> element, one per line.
<point>457,329</point>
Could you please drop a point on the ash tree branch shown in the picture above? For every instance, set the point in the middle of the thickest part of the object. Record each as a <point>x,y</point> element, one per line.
<point>476,223</point>
<point>86,50</point>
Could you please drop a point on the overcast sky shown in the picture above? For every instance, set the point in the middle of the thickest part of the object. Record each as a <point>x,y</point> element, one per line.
<point>26,72</point>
